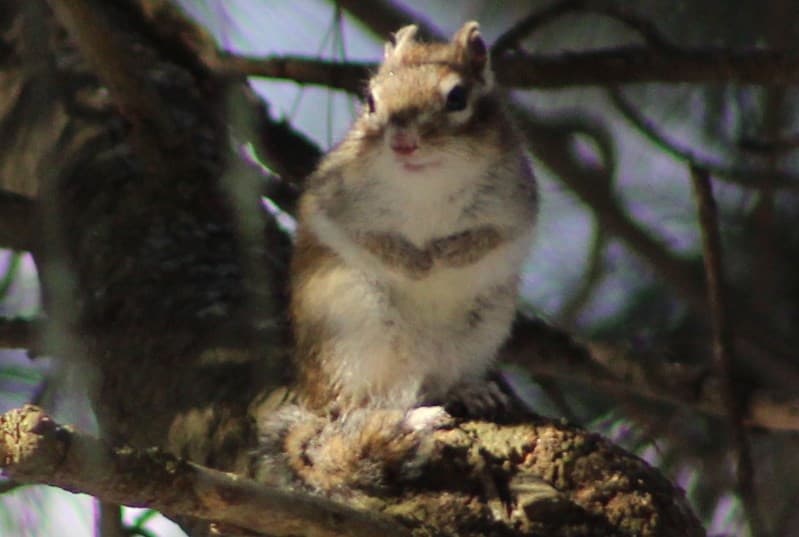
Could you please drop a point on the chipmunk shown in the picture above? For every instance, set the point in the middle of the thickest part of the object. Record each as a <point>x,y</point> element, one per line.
<point>412,235</point>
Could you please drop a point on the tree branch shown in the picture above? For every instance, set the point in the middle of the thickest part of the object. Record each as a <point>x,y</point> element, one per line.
<point>607,67</point>
<point>34,449</point>
<point>745,177</point>
<point>384,17</point>
<point>550,143</point>
<point>18,333</point>
<point>18,223</point>
<point>660,61</point>
<point>544,352</point>
<point>511,38</point>
<point>589,281</point>
<point>478,478</point>
<point>723,342</point>
<point>346,76</point>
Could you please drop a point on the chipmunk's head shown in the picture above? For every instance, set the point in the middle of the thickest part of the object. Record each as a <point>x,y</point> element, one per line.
<point>430,99</point>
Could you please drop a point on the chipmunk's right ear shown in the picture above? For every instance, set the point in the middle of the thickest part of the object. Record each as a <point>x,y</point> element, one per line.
<point>402,38</point>
<point>472,51</point>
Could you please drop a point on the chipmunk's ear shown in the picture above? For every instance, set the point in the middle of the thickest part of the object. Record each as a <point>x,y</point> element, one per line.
<point>401,38</point>
<point>472,51</point>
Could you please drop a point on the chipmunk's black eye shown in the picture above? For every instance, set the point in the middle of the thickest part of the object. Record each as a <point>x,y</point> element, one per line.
<point>457,99</point>
<point>370,103</point>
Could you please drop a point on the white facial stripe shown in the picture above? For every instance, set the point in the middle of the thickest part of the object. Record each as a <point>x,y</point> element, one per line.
<point>449,82</point>
<point>381,113</point>
<point>375,97</point>
<point>425,117</point>
<point>460,117</point>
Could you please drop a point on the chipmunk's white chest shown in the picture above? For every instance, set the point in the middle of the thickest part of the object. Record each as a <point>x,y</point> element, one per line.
<point>431,203</point>
<point>426,203</point>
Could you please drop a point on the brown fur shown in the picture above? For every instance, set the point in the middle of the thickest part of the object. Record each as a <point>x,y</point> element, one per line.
<point>394,250</point>
<point>310,257</point>
<point>466,247</point>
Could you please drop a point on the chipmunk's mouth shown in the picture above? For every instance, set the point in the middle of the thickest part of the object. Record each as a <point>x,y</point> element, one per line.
<point>404,144</point>
<point>418,166</point>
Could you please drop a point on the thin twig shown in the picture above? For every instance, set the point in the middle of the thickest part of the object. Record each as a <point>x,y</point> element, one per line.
<point>550,142</point>
<point>745,177</point>
<point>108,520</point>
<point>536,19</point>
<point>571,308</point>
<point>347,76</point>
<point>383,17</point>
<point>723,343</point>
<point>769,146</point>
<point>644,27</point>
<point>510,40</point>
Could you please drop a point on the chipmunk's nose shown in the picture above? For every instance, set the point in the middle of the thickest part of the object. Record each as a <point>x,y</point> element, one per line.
<point>404,142</point>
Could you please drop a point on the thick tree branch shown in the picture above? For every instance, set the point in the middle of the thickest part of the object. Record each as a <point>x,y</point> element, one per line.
<point>609,67</point>
<point>525,479</point>
<point>34,449</point>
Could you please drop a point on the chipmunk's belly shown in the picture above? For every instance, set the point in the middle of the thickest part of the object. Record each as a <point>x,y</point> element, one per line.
<point>424,336</point>
<point>440,331</point>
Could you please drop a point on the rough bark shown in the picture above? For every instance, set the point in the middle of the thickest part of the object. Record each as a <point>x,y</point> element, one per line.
<point>478,479</point>
<point>143,261</point>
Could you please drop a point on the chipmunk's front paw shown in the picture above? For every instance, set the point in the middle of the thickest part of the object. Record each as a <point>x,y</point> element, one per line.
<point>428,418</point>
<point>452,249</point>
<point>482,400</point>
<point>418,264</point>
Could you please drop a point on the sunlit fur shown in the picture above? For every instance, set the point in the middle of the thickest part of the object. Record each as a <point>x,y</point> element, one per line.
<point>366,333</point>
